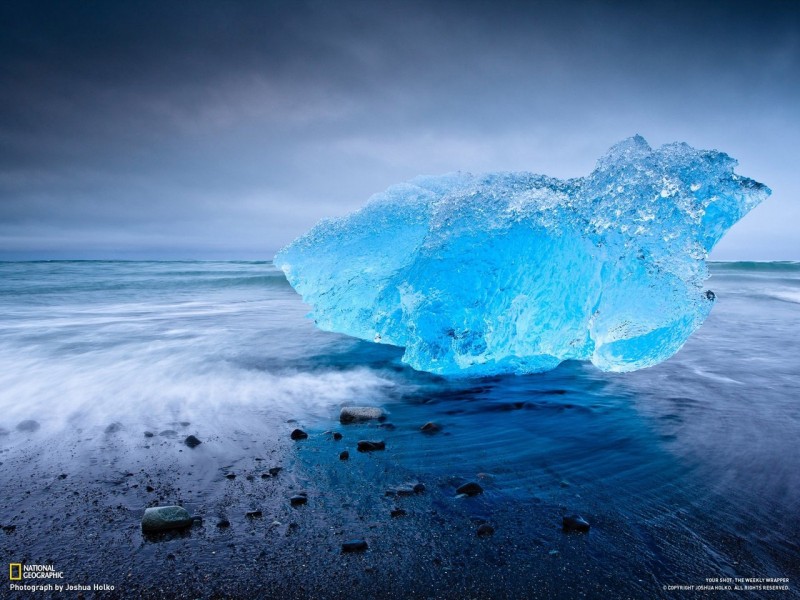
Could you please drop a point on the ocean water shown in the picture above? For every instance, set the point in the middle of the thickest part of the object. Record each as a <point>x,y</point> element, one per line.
<point>687,470</point>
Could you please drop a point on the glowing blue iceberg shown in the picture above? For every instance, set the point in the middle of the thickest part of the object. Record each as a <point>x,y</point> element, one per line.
<point>516,272</point>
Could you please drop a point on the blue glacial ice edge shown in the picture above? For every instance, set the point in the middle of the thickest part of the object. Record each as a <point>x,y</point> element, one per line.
<point>515,272</point>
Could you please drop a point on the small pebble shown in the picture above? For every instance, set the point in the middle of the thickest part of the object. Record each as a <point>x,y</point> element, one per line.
<point>470,489</point>
<point>354,546</point>
<point>430,427</point>
<point>254,514</point>
<point>337,436</point>
<point>230,475</point>
<point>398,512</point>
<point>192,441</point>
<point>344,455</point>
<point>299,434</point>
<point>485,530</point>
<point>371,446</point>
<point>298,500</point>
<point>222,523</point>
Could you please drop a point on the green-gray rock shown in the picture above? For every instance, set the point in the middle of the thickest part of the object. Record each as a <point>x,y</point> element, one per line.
<point>162,518</point>
<point>360,414</point>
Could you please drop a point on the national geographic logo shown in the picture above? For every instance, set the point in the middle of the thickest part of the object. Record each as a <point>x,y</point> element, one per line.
<point>40,578</point>
<point>18,572</point>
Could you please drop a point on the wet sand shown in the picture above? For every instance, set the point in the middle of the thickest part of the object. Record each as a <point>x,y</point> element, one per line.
<point>75,498</point>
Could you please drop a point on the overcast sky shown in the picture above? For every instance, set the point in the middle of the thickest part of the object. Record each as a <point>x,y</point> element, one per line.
<point>225,129</point>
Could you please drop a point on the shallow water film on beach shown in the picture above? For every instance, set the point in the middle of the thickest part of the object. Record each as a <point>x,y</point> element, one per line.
<point>516,272</point>
<point>686,471</point>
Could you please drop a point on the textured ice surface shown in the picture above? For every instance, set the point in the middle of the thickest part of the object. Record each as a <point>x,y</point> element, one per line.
<point>516,272</point>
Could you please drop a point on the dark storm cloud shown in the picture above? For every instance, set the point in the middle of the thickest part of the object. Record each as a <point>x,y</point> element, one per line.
<point>225,129</point>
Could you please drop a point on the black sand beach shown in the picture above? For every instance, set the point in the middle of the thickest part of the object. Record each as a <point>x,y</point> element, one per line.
<point>76,502</point>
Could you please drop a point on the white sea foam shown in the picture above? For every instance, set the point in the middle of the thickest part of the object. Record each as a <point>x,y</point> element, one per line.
<point>147,359</point>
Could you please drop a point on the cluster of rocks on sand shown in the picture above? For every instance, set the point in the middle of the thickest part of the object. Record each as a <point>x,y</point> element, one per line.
<point>165,518</point>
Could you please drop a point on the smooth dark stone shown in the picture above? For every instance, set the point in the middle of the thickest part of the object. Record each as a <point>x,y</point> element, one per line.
<point>253,514</point>
<point>419,488</point>
<point>398,512</point>
<point>575,523</point>
<point>298,500</point>
<point>150,488</point>
<point>344,455</point>
<point>265,476</point>
<point>230,475</point>
<point>485,530</point>
<point>222,523</point>
<point>62,476</point>
<point>192,441</point>
<point>162,518</point>
<point>430,427</point>
<point>28,425</point>
<point>354,546</point>
<point>275,470</point>
<point>470,489</point>
<point>9,528</point>
<point>361,414</point>
<point>148,434</point>
<point>299,434</point>
<point>337,436</point>
<point>370,446</point>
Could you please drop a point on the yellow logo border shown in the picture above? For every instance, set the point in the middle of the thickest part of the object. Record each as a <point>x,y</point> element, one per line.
<point>11,571</point>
